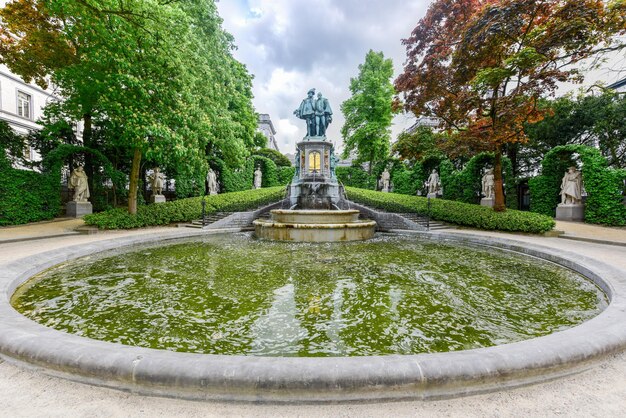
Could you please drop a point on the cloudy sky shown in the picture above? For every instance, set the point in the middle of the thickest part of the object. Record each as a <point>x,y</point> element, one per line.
<point>293,45</point>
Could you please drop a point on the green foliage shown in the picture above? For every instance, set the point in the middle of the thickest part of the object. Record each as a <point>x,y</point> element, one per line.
<point>159,75</point>
<point>11,144</point>
<point>56,159</point>
<point>189,185</point>
<point>26,196</point>
<point>269,177</point>
<point>418,144</point>
<point>369,111</point>
<point>279,159</point>
<point>184,210</point>
<point>355,177</point>
<point>404,180</point>
<point>454,212</point>
<point>465,184</point>
<point>582,120</point>
<point>233,180</point>
<point>604,185</point>
<point>285,175</point>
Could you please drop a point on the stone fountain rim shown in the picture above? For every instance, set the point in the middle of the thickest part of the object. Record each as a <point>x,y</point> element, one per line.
<point>315,211</point>
<point>288,379</point>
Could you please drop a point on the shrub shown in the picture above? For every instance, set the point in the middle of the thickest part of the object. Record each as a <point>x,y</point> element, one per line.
<point>184,210</point>
<point>355,177</point>
<point>454,212</point>
<point>279,159</point>
<point>285,175</point>
<point>604,185</point>
<point>464,185</point>
<point>26,196</point>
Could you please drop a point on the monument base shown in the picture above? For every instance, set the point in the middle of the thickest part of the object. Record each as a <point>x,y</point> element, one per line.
<point>157,198</point>
<point>487,201</point>
<point>432,195</point>
<point>570,212</point>
<point>78,209</point>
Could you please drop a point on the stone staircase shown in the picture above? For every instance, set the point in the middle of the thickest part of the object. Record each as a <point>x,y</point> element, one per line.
<point>208,219</point>
<point>234,220</point>
<point>421,220</point>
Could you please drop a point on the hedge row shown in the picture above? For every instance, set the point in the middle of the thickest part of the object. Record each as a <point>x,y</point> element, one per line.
<point>184,210</point>
<point>454,212</point>
<point>604,185</point>
<point>26,196</point>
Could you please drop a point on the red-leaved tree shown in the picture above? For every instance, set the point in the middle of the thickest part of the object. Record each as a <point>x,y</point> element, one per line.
<point>481,65</point>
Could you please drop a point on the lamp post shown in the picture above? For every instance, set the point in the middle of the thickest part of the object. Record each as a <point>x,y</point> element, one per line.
<point>203,212</point>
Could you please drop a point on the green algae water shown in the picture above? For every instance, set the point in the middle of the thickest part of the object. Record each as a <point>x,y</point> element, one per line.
<point>231,294</point>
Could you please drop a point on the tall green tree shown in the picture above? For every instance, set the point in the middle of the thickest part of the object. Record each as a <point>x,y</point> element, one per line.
<point>159,74</point>
<point>368,113</point>
<point>482,65</point>
<point>592,120</point>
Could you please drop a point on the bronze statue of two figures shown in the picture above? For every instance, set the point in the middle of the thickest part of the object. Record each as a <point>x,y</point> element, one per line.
<point>316,112</point>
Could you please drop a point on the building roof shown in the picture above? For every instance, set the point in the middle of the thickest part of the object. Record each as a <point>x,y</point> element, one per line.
<point>265,118</point>
<point>618,84</point>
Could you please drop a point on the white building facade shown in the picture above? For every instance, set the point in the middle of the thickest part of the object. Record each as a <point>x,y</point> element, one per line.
<point>266,127</point>
<point>21,104</point>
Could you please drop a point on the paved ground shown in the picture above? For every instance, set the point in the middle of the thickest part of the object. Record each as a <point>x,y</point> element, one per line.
<point>598,392</point>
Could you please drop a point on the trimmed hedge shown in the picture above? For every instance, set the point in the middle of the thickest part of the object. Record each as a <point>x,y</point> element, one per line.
<point>454,212</point>
<point>285,175</point>
<point>26,196</point>
<point>604,185</point>
<point>355,177</point>
<point>184,210</point>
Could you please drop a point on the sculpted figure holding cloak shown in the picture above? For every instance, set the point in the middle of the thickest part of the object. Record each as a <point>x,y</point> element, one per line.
<point>78,182</point>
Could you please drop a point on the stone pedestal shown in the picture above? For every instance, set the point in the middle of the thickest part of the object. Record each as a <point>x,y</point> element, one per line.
<point>157,198</point>
<point>78,209</point>
<point>432,195</point>
<point>487,201</point>
<point>385,190</point>
<point>570,212</point>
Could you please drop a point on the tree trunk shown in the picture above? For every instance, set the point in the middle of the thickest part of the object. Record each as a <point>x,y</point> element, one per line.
<point>134,180</point>
<point>499,205</point>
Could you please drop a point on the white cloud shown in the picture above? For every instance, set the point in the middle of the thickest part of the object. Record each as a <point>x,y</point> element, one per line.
<point>293,45</point>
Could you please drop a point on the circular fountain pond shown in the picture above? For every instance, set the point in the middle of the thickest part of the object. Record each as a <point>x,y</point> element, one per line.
<point>230,294</point>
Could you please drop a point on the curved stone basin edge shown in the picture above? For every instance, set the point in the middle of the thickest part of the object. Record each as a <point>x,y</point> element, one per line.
<point>297,380</point>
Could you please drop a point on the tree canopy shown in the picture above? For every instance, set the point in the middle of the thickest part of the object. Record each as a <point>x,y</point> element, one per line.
<point>482,65</point>
<point>368,113</point>
<point>159,74</point>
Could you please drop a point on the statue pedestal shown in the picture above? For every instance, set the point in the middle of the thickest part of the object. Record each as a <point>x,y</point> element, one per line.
<point>432,195</point>
<point>385,190</point>
<point>570,212</point>
<point>78,209</point>
<point>487,201</point>
<point>157,198</point>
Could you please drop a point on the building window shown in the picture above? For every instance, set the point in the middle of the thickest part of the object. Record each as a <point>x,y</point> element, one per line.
<point>24,105</point>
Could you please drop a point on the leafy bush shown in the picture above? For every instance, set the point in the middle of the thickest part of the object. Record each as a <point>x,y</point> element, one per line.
<point>26,196</point>
<point>403,179</point>
<point>279,159</point>
<point>269,176</point>
<point>184,210</point>
<point>604,185</point>
<point>454,212</point>
<point>355,177</point>
<point>464,185</point>
<point>285,175</point>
